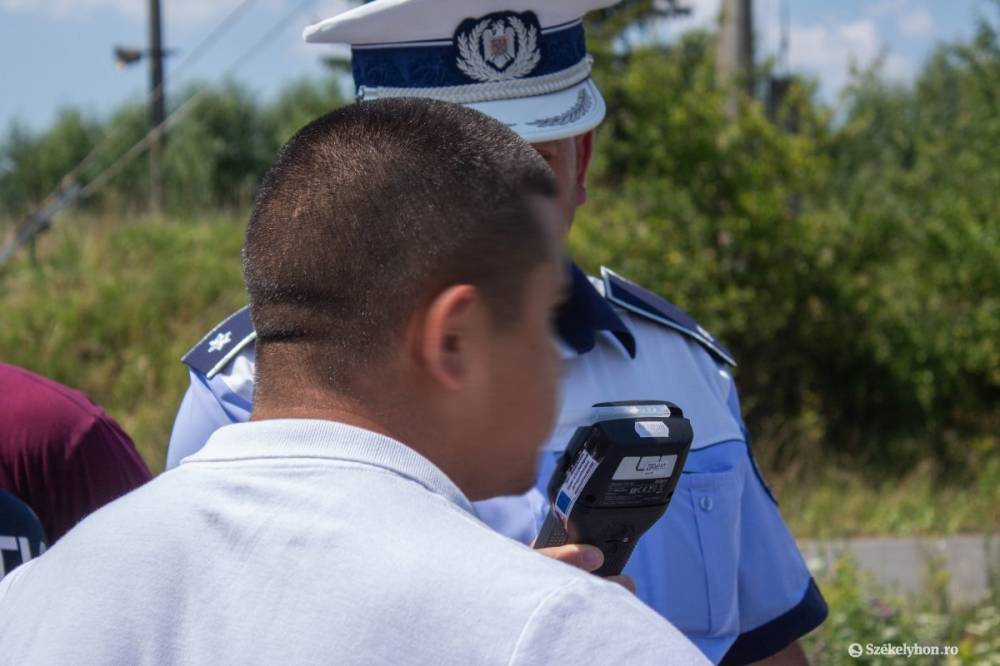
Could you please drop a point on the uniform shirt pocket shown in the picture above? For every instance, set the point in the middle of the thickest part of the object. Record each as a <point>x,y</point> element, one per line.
<point>701,535</point>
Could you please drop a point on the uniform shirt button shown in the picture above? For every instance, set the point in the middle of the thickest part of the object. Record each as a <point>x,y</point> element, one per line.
<point>706,503</point>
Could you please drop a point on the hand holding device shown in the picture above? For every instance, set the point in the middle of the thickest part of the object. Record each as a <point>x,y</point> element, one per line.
<point>616,477</point>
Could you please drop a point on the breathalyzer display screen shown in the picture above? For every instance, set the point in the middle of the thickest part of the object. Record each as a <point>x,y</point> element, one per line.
<point>616,477</point>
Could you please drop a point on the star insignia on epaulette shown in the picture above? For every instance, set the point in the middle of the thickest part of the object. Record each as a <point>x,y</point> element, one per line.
<point>220,341</point>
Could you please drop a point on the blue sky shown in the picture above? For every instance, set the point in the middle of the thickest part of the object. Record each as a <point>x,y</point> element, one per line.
<point>55,53</point>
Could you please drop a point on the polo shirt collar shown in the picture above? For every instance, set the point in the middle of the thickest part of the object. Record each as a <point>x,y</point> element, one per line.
<point>316,438</point>
<point>585,313</point>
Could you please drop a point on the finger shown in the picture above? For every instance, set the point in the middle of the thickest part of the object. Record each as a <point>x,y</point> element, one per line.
<point>581,556</point>
<point>624,581</point>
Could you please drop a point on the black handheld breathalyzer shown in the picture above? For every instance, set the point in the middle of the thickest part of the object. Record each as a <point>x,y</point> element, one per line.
<point>616,477</point>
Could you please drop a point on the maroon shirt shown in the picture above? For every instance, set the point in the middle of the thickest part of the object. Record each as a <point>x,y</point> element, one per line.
<point>59,452</point>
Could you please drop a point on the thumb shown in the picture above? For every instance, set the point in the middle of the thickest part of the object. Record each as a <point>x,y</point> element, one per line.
<point>581,556</point>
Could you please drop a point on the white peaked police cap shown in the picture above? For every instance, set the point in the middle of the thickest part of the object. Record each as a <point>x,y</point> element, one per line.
<point>525,64</point>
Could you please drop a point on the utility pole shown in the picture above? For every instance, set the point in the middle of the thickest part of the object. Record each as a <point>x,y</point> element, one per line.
<point>781,80</point>
<point>734,50</point>
<point>157,107</point>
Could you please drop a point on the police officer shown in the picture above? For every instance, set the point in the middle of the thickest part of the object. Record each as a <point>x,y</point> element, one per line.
<point>721,565</point>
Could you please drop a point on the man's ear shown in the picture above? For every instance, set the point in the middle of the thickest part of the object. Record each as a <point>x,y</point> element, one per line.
<point>584,151</point>
<point>449,335</point>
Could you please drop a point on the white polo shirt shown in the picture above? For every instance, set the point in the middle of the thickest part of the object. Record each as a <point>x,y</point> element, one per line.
<point>313,542</point>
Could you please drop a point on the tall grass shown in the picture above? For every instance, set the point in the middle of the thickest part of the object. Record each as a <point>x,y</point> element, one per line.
<point>840,501</point>
<point>112,304</point>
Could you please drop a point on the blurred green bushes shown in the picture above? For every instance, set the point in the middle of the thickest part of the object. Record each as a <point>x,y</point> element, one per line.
<point>212,160</point>
<point>852,265</point>
<point>865,613</point>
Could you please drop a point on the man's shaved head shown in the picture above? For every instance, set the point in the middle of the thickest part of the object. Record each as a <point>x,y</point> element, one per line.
<point>372,209</point>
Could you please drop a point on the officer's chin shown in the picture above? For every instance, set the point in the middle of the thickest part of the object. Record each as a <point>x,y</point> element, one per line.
<point>515,487</point>
<point>517,483</point>
<point>526,483</point>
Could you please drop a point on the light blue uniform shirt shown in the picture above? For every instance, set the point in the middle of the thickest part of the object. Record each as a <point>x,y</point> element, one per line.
<point>721,564</point>
<point>313,542</point>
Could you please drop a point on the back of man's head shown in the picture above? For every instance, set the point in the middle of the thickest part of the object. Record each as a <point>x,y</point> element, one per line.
<point>366,214</point>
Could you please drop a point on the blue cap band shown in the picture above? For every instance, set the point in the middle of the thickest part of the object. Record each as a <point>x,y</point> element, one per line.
<point>497,47</point>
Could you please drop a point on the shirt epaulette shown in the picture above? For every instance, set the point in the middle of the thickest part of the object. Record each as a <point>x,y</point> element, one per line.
<point>640,301</point>
<point>585,313</point>
<point>221,344</point>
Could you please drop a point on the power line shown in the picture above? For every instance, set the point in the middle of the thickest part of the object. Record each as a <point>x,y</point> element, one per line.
<point>183,110</point>
<point>180,112</point>
<point>217,32</point>
<point>39,222</point>
<point>64,197</point>
<point>69,179</point>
